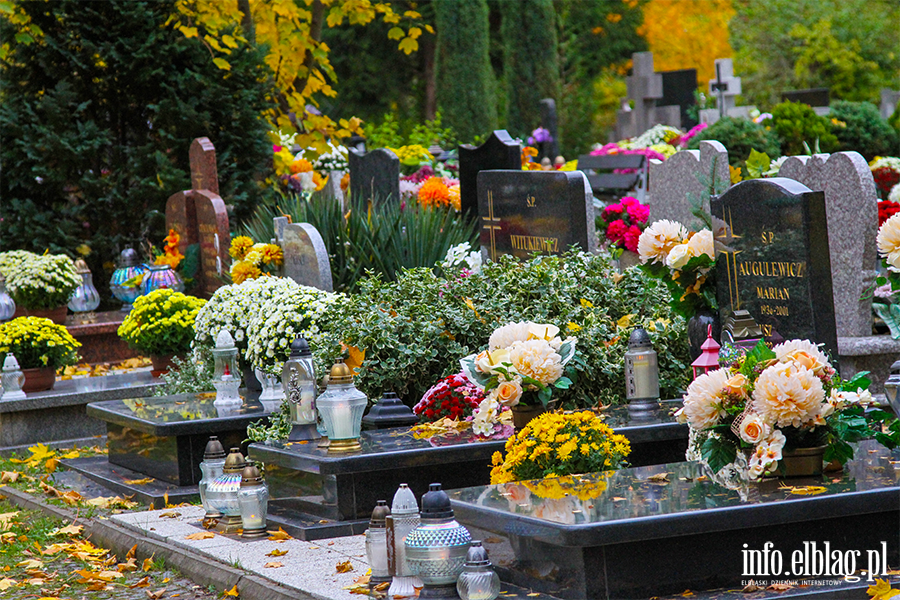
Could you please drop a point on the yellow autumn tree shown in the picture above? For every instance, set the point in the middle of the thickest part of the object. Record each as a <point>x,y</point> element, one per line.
<point>688,34</point>
<point>291,30</point>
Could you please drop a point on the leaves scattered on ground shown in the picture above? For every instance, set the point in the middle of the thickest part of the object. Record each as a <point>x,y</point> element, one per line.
<point>344,567</point>
<point>279,536</point>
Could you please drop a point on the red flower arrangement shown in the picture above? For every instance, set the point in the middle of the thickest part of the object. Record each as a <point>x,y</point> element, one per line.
<point>886,210</point>
<point>886,178</point>
<point>624,222</point>
<point>454,397</point>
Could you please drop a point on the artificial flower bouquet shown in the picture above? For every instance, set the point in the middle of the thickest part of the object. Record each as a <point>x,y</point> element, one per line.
<point>770,400</point>
<point>886,172</point>
<point>888,242</point>
<point>523,363</point>
<point>37,342</point>
<point>40,282</point>
<point>453,397</point>
<point>161,323</point>
<point>253,260</point>
<point>623,223</point>
<point>555,444</point>
<point>684,261</point>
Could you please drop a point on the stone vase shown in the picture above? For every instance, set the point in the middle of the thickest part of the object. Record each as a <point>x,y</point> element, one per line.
<point>57,315</point>
<point>250,381</point>
<point>39,380</point>
<point>802,462</point>
<point>162,364</point>
<point>697,330</point>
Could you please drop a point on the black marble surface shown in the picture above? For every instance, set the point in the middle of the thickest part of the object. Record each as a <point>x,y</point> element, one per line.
<point>685,530</point>
<point>776,263</point>
<point>124,481</point>
<point>374,176</point>
<point>499,151</point>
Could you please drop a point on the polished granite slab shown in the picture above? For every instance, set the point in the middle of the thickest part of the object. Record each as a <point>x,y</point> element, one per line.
<point>308,480</point>
<point>60,413</point>
<point>674,522</point>
<point>165,436</point>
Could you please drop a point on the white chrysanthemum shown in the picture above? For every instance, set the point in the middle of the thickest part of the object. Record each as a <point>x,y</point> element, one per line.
<point>894,196</point>
<point>702,243</point>
<point>788,394</point>
<point>536,359</point>
<point>888,240</point>
<point>656,241</point>
<point>703,401</point>
<point>504,337</point>
<point>802,352</point>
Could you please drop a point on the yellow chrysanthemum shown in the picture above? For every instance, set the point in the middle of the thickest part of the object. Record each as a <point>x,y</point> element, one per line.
<point>455,200</point>
<point>272,254</point>
<point>242,270</point>
<point>239,247</point>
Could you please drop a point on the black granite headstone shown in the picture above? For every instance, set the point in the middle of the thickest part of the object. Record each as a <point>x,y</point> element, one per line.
<point>523,212</point>
<point>548,121</point>
<point>498,152</point>
<point>813,97</point>
<point>374,177</point>
<point>775,261</point>
<point>678,89</point>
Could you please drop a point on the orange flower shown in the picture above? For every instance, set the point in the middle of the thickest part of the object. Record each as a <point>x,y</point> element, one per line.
<point>455,201</point>
<point>319,180</point>
<point>528,153</point>
<point>301,165</point>
<point>171,256</point>
<point>434,192</point>
<point>345,182</point>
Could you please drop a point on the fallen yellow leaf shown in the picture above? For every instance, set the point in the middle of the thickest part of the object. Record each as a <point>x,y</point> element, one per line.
<point>31,564</point>
<point>882,590</point>
<point>9,476</point>
<point>779,587</point>
<point>344,567</point>
<point>279,536</point>
<point>273,565</point>
<point>131,552</point>
<point>50,465</point>
<point>232,592</point>
<point>129,565</point>
<point>148,564</point>
<point>277,552</point>
<point>68,530</point>
<point>659,477</point>
<point>6,519</point>
<point>200,535</point>
<point>155,595</point>
<point>145,582</point>
<point>143,481</point>
<point>170,515</point>
<point>72,454</point>
<point>7,583</point>
<point>807,490</point>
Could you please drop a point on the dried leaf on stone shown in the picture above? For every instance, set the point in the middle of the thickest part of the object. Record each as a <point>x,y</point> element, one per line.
<point>232,592</point>
<point>9,476</point>
<point>200,535</point>
<point>273,565</point>
<point>145,582</point>
<point>279,536</point>
<point>31,564</point>
<point>131,552</point>
<point>155,595</point>
<point>143,481</point>
<point>779,587</point>
<point>51,464</point>
<point>344,567</point>
<point>72,454</point>
<point>127,566</point>
<point>111,502</point>
<point>7,583</point>
<point>806,490</point>
<point>277,552</point>
<point>68,530</point>
<point>659,478</point>
<point>97,586</point>
<point>98,575</point>
<point>148,564</point>
<point>170,515</point>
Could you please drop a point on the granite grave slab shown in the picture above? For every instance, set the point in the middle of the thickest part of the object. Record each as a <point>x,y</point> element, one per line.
<point>687,177</point>
<point>775,263</point>
<point>99,338</point>
<point>374,177</point>
<point>305,256</point>
<point>498,152</point>
<point>523,212</point>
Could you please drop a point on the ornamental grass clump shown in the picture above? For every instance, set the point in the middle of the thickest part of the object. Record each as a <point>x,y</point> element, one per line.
<point>161,323</point>
<point>37,342</point>
<point>41,282</point>
<point>555,444</point>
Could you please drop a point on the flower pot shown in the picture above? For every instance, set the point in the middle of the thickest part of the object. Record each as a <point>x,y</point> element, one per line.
<point>57,315</point>
<point>802,462</point>
<point>522,414</point>
<point>161,364</point>
<point>39,380</point>
<point>250,381</point>
<point>697,329</point>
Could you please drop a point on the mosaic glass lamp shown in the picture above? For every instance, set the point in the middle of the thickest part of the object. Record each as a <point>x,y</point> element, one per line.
<point>85,299</point>
<point>123,284</point>
<point>7,306</point>
<point>222,492</point>
<point>253,497</point>
<point>160,277</point>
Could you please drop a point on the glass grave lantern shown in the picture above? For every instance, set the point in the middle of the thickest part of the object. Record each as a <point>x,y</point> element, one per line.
<point>342,407</point>
<point>404,518</point>
<point>222,492</point>
<point>253,497</point>
<point>212,466</point>
<point>709,356</point>
<point>12,379</point>
<point>641,376</point>
<point>376,545</point>
<point>85,299</point>
<point>298,377</point>
<point>478,581</point>
<point>160,277</point>
<point>7,306</point>
<point>123,284</point>
<point>226,372</point>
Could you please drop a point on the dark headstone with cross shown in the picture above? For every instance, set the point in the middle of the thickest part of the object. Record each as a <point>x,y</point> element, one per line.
<point>523,212</point>
<point>199,216</point>
<point>678,90</point>
<point>374,177</point>
<point>499,151</point>
<point>775,262</point>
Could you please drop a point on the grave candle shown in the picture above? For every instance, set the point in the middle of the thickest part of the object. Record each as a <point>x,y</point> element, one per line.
<point>254,499</point>
<point>641,374</point>
<point>342,407</point>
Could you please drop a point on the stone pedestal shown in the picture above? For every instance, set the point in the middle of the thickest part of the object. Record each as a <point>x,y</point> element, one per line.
<point>98,334</point>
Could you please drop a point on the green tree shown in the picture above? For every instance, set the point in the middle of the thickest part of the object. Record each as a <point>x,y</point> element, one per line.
<point>466,93</point>
<point>530,62</point>
<point>97,113</point>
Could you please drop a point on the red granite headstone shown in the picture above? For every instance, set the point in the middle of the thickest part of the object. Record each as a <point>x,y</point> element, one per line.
<point>182,217</point>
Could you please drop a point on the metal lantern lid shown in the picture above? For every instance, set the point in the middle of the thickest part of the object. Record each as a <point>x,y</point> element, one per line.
<point>390,411</point>
<point>340,373</point>
<point>639,338</point>
<point>224,341</point>
<point>477,555</point>
<point>81,267</point>
<point>214,449</point>
<point>404,502</point>
<point>129,258</point>
<point>895,368</point>
<point>379,515</point>
<point>250,476</point>
<point>300,348</point>
<point>742,326</point>
<point>234,462</point>
<point>436,503</point>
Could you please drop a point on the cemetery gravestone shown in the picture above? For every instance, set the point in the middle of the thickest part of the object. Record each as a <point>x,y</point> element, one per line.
<point>523,212</point>
<point>645,88</point>
<point>725,88</point>
<point>498,152</point>
<point>686,177</point>
<point>889,100</point>
<point>374,177</point>
<point>775,262</point>
<point>305,256</point>
<point>818,98</point>
<point>549,122</point>
<point>678,90</point>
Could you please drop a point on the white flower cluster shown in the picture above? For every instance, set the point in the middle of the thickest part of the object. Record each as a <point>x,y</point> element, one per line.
<point>280,314</point>
<point>232,306</point>
<point>14,258</point>
<point>336,160</point>
<point>50,273</point>
<point>657,134</point>
<point>463,255</point>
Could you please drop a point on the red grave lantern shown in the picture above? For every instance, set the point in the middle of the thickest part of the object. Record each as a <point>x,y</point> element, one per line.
<point>709,356</point>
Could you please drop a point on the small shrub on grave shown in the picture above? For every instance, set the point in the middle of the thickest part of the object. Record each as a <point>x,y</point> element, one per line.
<point>796,123</point>
<point>859,127</point>
<point>37,342</point>
<point>739,136</point>
<point>161,323</point>
<point>39,282</point>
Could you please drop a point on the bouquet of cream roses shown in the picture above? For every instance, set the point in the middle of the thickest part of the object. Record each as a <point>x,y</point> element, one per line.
<point>523,363</point>
<point>684,261</point>
<point>787,397</point>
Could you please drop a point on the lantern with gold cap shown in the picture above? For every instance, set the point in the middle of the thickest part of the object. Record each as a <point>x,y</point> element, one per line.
<point>222,493</point>
<point>342,406</point>
<point>253,497</point>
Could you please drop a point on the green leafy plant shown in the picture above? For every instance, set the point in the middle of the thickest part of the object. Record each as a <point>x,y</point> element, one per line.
<point>797,123</point>
<point>161,323</point>
<point>859,127</point>
<point>740,136</point>
<point>190,375</point>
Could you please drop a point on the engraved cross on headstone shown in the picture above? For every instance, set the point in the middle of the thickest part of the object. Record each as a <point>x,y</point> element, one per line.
<point>204,174</point>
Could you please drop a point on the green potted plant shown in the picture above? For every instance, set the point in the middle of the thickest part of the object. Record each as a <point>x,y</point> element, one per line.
<point>161,326</point>
<point>41,347</point>
<point>41,285</point>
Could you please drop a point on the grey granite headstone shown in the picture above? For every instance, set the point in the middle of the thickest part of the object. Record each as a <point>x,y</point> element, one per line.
<point>684,177</point>
<point>775,261</point>
<point>305,256</point>
<point>889,100</point>
<point>523,212</point>
<point>725,88</point>
<point>374,177</point>
<point>499,151</point>
<point>279,224</point>
<point>548,122</point>
<point>645,88</point>
<point>852,207</point>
